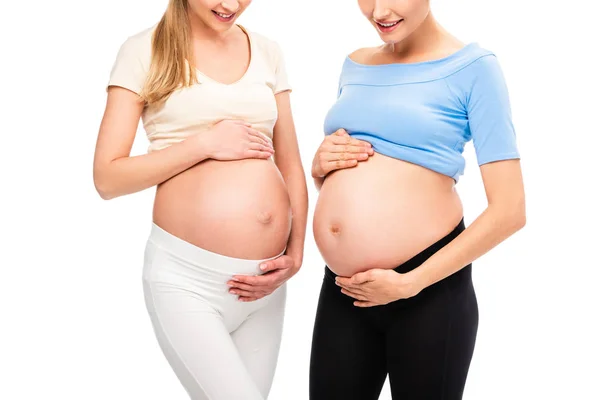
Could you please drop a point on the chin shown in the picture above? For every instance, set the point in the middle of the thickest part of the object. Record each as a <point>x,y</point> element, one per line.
<point>387,39</point>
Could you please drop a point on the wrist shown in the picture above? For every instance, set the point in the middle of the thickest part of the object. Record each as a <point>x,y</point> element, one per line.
<point>296,257</point>
<point>200,147</point>
<point>413,282</point>
<point>316,171</point>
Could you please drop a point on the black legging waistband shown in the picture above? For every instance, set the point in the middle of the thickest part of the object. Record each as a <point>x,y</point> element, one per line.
<point>422,256</point>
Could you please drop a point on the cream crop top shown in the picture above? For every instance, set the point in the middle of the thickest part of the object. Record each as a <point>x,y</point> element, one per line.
<point>196,108</point>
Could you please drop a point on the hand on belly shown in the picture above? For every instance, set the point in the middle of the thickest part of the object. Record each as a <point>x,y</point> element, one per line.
<point>381,213</point>
<point>377,287</point>
<point>238,208</point>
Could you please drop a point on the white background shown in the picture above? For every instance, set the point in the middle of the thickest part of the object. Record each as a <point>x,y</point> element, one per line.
<point>72,318</point>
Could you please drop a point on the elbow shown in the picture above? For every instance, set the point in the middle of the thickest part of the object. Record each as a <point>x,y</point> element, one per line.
<point>103,187</point>
<point>104,192</point>
<point>515,216</point>
<point>520,221</point>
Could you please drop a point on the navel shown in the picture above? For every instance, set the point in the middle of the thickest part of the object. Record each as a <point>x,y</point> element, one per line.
<point>265,217</point>
<point>335,229</point>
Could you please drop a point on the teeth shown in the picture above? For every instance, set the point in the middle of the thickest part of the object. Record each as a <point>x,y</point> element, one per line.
<point>388,25</point>
<point>224,15</point>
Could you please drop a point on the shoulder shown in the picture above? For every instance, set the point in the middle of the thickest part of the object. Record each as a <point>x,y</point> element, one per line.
<point>363,55</point>
<point>474,62</point>
<point>268,47</point>
<point>138,45</point>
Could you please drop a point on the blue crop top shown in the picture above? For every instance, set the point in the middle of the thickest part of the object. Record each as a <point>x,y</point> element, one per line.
<point>426,112</point>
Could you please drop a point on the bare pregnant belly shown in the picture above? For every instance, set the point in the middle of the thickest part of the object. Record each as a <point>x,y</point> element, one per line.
<point>381,213</point>
<point>237,208</point>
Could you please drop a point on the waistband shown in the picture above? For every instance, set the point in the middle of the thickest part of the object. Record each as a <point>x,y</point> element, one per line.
<point>200,257</point>
<point>422,256</point>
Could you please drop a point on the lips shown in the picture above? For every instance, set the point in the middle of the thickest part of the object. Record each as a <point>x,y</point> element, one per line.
<point>223,17</point>
<point>387,26</point>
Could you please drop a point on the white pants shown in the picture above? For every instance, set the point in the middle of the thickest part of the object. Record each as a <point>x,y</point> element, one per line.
<point>220,348</point>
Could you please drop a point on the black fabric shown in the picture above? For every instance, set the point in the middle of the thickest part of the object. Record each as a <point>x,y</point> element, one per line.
<point>425,343</point>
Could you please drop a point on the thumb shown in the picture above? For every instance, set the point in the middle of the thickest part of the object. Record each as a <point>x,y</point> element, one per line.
<point>361,277</point>
<point>341,132</point>
<point>278,263</point>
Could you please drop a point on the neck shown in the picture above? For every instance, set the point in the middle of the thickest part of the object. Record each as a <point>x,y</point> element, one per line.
<point>199,30</point>
<point>424,39</point>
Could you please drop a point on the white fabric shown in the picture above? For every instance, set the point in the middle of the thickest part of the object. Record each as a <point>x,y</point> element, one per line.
<point>219,348</point>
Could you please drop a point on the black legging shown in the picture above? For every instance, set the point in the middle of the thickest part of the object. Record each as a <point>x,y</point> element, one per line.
<point>424,343</point>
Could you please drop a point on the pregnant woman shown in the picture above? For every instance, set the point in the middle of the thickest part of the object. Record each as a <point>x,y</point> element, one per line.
<point>231,200</point>
<point>397,297</point>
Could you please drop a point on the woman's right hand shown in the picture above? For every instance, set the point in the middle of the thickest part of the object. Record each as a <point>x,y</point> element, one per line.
<point>339,151</point>
<point>235,140</point>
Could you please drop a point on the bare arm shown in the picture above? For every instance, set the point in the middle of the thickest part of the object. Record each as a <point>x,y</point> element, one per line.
<point>117,174</point>
<point>504,216</point>
<point>287,158</point>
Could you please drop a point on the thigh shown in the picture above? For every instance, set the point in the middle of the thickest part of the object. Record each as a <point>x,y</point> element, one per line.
<point>258,339</point>
<point>431,343</point>
<point>348,354</point>
<point>197,345</point>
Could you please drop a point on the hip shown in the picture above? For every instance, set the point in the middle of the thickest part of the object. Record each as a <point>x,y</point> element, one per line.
<point>172,265</point>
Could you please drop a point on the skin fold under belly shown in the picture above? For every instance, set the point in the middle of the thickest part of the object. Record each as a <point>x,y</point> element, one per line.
<point>236,208</point>
<point>381,213</point>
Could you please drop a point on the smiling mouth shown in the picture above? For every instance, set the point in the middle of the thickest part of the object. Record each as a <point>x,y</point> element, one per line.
<point>387,26</point>
<point>223,17</point>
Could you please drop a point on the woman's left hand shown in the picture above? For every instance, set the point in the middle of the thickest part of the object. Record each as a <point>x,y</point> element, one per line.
<point>275,273</point>
<point>377,287</point>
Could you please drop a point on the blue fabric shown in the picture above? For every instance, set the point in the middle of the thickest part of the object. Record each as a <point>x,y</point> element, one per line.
<point>426,112</point>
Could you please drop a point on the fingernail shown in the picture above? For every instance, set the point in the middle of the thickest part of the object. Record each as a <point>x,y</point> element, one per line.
<point>263,266</point>
<point>235,279</point>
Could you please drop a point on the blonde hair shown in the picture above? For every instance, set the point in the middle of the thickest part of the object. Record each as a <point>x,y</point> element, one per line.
<point>171,50</point>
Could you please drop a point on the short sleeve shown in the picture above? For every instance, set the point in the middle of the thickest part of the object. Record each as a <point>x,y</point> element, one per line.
<point>130,67</point>
<point>281,78</point>
<point>489,112</point>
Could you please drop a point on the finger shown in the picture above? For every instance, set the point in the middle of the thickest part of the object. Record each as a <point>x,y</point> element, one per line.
<point>354,295</point>
<point>358,289</point>
<point>344,148</point>
<point>361,277</point>
<point>255,135</point>
<point>344,156</point>
<point>340,164</point>
<point>365,304</point>
<point>239,285</point>
<point>257,139</point>
<point>341,132</point>
<point>260,147</point>
<point>343,281</point>
<point>349,140</point>
<point>282,262</point>
<point>258,153</point>
<point>259,280</point>
<point>244,293</point>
